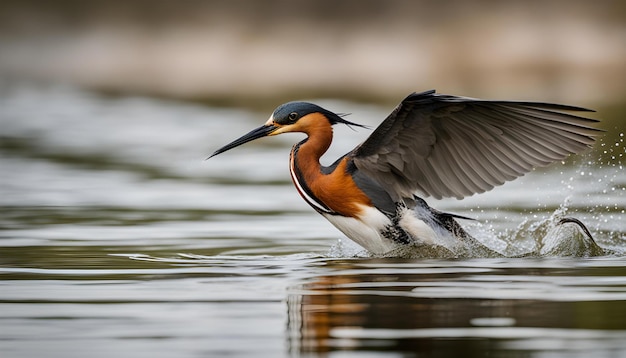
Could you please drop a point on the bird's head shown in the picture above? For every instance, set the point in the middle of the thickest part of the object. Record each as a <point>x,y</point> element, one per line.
<point>291,117</point>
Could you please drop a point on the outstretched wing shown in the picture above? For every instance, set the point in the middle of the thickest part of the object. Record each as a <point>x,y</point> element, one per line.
<point>449,146</point>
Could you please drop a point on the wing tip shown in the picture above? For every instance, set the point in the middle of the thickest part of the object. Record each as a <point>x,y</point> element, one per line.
<point>420,95</point>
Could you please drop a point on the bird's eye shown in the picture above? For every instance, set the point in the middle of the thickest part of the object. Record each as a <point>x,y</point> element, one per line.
<point>293,116</point>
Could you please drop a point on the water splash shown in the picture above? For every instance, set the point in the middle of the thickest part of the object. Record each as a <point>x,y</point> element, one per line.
<point>558,235</point>
<point>347,248</point>
<point>570,238</point>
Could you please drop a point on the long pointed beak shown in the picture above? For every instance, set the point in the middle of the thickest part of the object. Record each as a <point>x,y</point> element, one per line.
<point>257,133</point>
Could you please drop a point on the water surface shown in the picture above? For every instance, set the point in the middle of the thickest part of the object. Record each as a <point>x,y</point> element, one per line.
<point>118,239</point>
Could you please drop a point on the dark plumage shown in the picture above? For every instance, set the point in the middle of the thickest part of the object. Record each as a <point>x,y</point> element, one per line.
<point>449,146</point>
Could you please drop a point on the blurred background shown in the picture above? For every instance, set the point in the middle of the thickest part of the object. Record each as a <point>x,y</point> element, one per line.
<point>246,52</point>
<point>118,239</point>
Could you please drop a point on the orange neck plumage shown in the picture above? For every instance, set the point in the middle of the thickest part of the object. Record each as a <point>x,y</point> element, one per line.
<point>335,190</point>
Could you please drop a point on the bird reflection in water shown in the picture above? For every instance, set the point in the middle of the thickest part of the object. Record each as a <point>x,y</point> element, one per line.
<point>434,307</point>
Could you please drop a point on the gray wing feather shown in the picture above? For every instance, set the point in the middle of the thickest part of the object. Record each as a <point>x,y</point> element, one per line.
<point>449,146</point>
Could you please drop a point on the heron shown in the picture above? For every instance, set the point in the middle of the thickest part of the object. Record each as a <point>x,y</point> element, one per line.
<point>431,145</point>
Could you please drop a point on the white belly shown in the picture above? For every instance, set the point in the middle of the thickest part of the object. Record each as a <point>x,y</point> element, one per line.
<point>367,230</point>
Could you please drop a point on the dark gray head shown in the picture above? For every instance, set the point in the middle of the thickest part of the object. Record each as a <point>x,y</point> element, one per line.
<point>291,112</point>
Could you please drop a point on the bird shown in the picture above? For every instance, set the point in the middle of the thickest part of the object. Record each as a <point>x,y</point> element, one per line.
<point>431,145</point>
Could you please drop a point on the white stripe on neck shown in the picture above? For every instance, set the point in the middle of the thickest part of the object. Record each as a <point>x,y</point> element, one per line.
<point>314,203</point>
